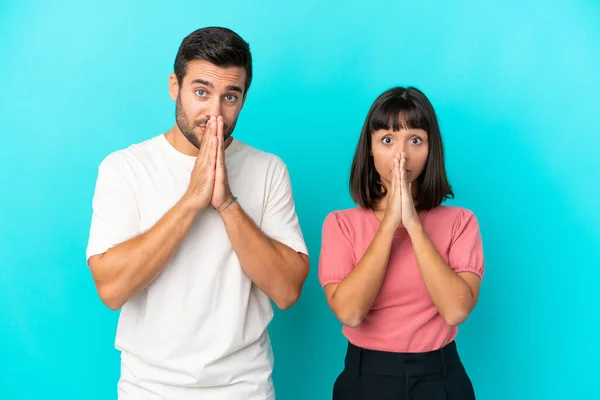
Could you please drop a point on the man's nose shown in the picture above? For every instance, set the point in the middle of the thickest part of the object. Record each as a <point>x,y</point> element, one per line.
<point>214,107</point>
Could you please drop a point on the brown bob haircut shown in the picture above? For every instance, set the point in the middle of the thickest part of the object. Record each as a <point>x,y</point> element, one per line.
<point>395,109</point>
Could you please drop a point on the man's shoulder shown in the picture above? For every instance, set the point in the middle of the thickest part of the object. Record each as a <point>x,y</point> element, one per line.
<point>256,156</point>
<point>132,154</point>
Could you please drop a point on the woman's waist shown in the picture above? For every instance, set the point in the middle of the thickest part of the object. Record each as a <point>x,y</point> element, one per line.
<point>396,333</point>
<point>367,361</point>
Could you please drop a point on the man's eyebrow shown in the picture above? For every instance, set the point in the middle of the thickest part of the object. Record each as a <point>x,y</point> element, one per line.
<point>232,88</point>
<point>203,82</point>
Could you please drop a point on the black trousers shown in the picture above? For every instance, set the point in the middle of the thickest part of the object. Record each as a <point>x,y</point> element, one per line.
<point>380,375</point>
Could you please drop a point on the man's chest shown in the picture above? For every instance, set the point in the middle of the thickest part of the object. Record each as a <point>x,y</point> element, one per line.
<point>157,193</point>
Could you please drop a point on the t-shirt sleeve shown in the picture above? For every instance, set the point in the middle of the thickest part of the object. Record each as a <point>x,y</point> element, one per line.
<point>466,250</point>
<point>336,260</point>
<point>115,214</point>
<point>280,221</point>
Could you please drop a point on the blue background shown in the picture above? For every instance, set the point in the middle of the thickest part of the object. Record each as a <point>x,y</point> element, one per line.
<point>515,85</point>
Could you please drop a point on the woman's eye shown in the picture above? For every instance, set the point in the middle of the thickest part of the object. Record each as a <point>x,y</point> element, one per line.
<point>200,92</point>
<point>416,140</point>
<point>387,140</point>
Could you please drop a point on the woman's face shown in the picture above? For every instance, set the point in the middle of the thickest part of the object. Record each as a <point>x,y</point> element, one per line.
<point>388,144</point>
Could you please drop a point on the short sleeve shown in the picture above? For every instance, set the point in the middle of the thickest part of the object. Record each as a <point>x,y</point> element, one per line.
<point>115,215</point>
<point>336,259</point>
<point>466,250</point>
<point>280,221</point>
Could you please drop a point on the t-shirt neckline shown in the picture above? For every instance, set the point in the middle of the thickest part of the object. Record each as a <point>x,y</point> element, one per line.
<point>376,223</point>
<point>187,159</point>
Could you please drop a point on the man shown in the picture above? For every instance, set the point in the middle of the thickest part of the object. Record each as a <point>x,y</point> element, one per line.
<point>192,232</point>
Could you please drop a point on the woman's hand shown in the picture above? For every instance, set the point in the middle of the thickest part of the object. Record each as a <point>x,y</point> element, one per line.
<point>410,218</point>
<point>393,210</point>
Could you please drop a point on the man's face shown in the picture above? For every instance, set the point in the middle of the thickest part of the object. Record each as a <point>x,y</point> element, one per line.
<point>208,90</point>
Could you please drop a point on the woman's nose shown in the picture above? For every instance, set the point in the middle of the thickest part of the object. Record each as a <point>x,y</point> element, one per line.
<point>400,148</point>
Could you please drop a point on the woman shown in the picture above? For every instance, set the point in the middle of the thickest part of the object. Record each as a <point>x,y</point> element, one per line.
<point>400,271</point>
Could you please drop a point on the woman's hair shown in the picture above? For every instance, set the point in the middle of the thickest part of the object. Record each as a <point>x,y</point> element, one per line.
<point>400,108</point>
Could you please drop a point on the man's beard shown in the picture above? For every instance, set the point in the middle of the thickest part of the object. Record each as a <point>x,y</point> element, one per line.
<point>188,129</point>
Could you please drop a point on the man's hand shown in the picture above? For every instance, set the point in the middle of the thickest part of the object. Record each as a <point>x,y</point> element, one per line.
<point>202,180</point>
<point>221,192</point>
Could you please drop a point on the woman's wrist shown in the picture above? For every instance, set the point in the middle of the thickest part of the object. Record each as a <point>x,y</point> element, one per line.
<point>414,228</point>
<point>388,228</point>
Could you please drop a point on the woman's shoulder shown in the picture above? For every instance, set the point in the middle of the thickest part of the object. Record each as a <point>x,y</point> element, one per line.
<point>451,211</point>
<point>349,213</point>
<point>454,217</point>
<point>346,220</point>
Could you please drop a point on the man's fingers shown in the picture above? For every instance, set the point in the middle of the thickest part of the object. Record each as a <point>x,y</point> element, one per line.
<point>219,126</point>
<point>220,163</point>
<point>211,143</point>
<point>219,152</point>
<point>208,165</point>
<point>205,144</point>
<point>214,143</point>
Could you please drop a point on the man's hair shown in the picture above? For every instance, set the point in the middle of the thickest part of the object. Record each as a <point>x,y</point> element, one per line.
<point>219,46</point>
<point>400,108</point>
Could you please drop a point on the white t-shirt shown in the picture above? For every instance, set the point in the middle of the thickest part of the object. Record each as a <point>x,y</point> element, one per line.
<point>199,331</point>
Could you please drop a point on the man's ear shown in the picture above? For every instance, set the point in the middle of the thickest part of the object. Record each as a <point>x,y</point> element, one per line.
<point>173,86</point>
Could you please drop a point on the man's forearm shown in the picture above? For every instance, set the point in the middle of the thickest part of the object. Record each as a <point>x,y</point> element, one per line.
<point>129,267</point>
<point>276,269</point>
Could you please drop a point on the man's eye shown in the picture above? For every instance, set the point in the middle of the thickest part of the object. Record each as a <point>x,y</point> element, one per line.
<point>200,92</point>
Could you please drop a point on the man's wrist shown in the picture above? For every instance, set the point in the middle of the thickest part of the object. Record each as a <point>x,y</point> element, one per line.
<point>188,202</point>
<point>227,203</point>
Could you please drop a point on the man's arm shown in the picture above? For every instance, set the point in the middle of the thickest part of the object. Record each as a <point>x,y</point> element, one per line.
<point>124,270</point>
<point>278,270</point>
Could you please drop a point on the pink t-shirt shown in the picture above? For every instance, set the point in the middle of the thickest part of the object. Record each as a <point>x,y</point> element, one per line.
<point>403,317</point>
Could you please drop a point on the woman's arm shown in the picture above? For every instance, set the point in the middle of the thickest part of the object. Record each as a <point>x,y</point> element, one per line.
<point>454,294</point>
<point>352,298</point>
